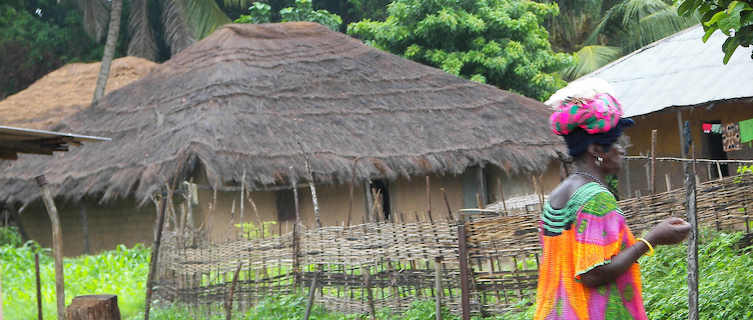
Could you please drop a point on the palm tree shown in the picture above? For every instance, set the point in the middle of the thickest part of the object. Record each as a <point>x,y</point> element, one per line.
<point>112,39</point>
<point>600,31</point>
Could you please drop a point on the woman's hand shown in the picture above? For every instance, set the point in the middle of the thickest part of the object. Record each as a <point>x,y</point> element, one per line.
<point>669,231</point>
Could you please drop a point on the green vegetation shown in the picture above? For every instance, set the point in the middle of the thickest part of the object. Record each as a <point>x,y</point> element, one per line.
<point>303,10</point>
<point>733,18</point>
<point>500,42</point>
<point>725,279</point>
<point>121,271</point>
<point>725,285</point>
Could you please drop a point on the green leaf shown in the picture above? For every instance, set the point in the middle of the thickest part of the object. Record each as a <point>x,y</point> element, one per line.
<point>729,47</point>
<point>687,7</point>
<point>708,33</point>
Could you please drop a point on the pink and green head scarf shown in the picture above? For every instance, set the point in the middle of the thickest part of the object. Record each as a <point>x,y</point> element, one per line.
<point>590,105</point>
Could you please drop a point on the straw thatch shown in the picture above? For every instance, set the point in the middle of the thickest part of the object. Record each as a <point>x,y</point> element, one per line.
<point>66,91</point>
<point>261,99</point>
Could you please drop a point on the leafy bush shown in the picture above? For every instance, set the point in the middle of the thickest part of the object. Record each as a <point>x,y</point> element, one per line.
<point>303,10</point>
<point>121,272</point>
<point>725,280</point>
<point>9,237</point>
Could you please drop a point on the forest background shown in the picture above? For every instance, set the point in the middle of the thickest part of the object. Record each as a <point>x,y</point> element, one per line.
<point>529,47</point>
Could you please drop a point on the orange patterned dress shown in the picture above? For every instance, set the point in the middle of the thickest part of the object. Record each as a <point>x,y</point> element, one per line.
<point>583,235</point>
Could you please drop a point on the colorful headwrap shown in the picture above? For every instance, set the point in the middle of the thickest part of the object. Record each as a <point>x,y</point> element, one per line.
<point>589,105</point>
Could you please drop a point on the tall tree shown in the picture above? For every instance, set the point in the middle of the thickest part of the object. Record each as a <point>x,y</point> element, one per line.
<point>112,40</point>
<point>500,42</point>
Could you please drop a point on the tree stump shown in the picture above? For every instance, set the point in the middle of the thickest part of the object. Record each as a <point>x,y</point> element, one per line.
<point>93,307</point>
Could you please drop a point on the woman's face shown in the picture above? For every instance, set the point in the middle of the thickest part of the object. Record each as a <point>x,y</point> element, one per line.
<point>613,159</point>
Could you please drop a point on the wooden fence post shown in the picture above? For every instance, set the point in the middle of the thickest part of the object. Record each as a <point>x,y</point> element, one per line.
<point>369,294</point>
<point>229,303</point>
<point>57,244</point>
<point>652,185</point>
<point>690,204</point>
<point>465,302</point>
<point>312,295</point>
<point>155,254</point>
<point>438,287</point>
<point>39,286</point>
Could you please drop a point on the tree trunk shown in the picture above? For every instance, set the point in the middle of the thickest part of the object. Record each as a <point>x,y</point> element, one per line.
<point>94,307</point>
<point>112,41</point>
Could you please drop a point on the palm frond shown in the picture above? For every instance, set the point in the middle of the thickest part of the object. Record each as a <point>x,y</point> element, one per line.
<point>96,16</point>
<point>185,21</point>
<point>590,58</point>
<point>236,4</point>
<point>142,42</point>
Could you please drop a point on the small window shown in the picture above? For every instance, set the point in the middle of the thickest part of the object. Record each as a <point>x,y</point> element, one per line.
<point>285,205</point>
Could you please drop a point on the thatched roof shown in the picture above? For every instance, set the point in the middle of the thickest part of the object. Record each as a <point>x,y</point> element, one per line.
<point>257,98</point>
<point>66,91</point>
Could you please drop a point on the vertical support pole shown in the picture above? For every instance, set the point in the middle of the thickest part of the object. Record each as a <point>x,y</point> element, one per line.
<point>369,200</point>
<point>438,287</point>
<point>681,133</point>
<point>155,254</point>
<point>57,244</point>
<point>296,267</point>
<point>428,200</point>
<point>85,228</point>
<point>690,204</point>
<point>312,295</point>
<point>719,170</point>
<point>352,186</point>
<point>293,185</point>
<point>39,287</point>
<point>229,303</point>
<point>447,203</point>
<point>652,187</point>
<point>369,294</point>
<point>482,186</point>
<point>501,194</point>
<point>668,182</point>
<point>465,302</point>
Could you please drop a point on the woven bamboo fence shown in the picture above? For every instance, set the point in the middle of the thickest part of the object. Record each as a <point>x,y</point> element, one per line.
<point>371,266</point>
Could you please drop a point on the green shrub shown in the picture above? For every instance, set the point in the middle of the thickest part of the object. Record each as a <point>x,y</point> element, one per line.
<point>725,280</point>
<point>9,237</point>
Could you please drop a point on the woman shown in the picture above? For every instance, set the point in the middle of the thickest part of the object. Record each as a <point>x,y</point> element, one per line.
<point>589,269</point>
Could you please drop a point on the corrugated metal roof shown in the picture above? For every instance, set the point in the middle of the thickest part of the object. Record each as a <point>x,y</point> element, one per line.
<point>19,140</point>
<point>680,70</point>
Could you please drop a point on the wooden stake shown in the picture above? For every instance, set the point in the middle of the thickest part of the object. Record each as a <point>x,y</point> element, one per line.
<point>39,287</point>
<point>312,295</point>
<point>652,185</point>
<point>690,204</point>
<point>57,244</point>
<point>229,303</point>
<point>428,199</point>
<point>155,253</point>
<point>502,194</point>
<point>243,191</point>
<point>438,287</point>
<point>369,294</point>
<point>465,302</point>
<point>351,191</point>
<point>447,203</point>
<point>719,170</point>
<point>668,181</point>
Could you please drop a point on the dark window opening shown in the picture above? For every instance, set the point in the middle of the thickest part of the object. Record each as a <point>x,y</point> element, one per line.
<point>381,193</point>
<point>714,149</point>
<point>285,205</point>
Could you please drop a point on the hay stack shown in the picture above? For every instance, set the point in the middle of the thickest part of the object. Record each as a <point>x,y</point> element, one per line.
<point>66,91</point>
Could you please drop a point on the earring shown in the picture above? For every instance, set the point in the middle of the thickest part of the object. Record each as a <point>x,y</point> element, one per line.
<point>599,161</point>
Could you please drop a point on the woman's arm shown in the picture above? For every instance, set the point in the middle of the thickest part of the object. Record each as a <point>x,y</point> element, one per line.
<point>670,231</point>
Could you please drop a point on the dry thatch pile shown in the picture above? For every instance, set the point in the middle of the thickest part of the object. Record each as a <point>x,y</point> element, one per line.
<point>66,91</point>
<point>261,99</point>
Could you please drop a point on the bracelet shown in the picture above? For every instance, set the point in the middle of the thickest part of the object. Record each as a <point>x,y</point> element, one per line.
<point>650,247</point>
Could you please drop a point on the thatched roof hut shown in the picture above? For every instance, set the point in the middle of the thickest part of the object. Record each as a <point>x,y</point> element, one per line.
<point>261,99</point>
<point>66,91</point>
